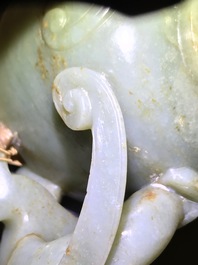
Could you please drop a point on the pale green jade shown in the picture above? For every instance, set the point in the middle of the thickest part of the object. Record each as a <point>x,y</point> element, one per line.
<point>86,103</point>
<point>151,216</point>
<point>150,74</point>
<point>84,99</point>
<point>132,83</point>
<point>149,220</point>
<point>50,186</point>
<point>27,208</point>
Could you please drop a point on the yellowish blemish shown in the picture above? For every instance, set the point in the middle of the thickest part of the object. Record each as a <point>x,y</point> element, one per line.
<point>147,69</point>
<point>41,66</point>
<point>180,122</point>
<point>154,100</point>
<point>58,64</point>
<point>150,196</point>
<point>130,93</point>
<point>68,251</point>
<point>56,89</point>
<point>16,211</point>
<point>45,24</point>
<point>140,103</point>
<point>136,149</point>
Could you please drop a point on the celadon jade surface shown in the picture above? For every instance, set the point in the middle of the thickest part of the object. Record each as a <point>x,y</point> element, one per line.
<point>100,106</point>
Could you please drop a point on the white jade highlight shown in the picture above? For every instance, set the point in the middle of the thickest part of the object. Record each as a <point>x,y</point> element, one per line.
<point>76,109</point>
<point>183,180</point>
